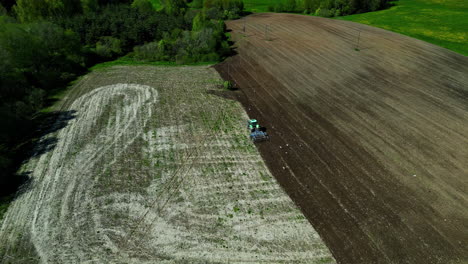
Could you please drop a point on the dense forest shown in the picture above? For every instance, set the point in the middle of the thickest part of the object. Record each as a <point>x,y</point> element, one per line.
<point>45,44</point>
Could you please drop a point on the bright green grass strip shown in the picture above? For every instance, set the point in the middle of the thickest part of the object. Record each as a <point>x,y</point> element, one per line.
<point>129,61</point>
<point>441,22</point>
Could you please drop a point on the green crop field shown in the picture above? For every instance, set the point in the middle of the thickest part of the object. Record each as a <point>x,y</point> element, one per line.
<point>259,5</point>
<point>441,22</point>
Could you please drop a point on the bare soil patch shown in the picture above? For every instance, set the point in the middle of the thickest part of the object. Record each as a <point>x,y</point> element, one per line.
<point>371,144</point>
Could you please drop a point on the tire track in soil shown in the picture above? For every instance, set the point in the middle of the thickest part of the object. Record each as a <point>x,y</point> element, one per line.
<point>369,193</point>
<point>75,156</point>
<point>293,80</point>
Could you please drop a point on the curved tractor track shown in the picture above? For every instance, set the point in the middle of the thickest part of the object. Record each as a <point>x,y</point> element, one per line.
<point>370,139</point>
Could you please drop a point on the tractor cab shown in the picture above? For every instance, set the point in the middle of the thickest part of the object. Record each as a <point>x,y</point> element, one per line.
<point>253,124</point>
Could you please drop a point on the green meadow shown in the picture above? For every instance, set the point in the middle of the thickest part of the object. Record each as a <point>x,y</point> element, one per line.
<point>441,22</point>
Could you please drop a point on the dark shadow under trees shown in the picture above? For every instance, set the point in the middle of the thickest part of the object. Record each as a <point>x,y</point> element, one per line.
<point>40,141</point>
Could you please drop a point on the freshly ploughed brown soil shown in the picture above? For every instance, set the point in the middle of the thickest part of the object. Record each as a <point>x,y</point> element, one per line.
<point>370,140</point>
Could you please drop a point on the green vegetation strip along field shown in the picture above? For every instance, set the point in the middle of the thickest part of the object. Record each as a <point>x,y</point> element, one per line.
<point>259,5</point>
<point>441,22</point>
<point>150,167</point>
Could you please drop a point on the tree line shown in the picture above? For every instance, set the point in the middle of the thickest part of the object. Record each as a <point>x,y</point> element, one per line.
<point>45,44</point>
<point>329,8</point>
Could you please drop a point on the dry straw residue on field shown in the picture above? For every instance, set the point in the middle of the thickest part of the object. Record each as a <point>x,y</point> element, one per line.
<point>152,168</point>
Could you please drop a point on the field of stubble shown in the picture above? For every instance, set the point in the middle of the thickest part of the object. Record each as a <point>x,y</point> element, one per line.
<point>151,168</point>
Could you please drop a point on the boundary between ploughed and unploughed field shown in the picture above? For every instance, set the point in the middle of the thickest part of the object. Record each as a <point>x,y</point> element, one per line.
<point>366,141</point>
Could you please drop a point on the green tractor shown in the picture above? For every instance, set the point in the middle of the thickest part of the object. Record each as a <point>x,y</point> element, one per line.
<point>257,133</point>
<point>253,124</point>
